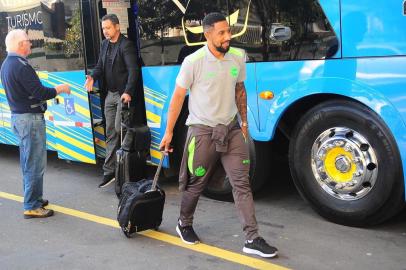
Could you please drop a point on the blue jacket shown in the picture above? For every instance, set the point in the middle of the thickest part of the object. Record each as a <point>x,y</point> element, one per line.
<point>25,92</point>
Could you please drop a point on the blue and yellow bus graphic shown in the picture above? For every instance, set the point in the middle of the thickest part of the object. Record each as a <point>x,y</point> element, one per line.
<point>74,130</point>
<point>68,119</point>
<point>154,103</point>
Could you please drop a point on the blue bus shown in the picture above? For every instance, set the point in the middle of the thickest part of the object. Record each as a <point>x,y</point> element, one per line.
<point>324,85</point>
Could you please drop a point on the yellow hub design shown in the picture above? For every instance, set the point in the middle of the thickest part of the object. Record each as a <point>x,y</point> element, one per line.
<point>330,165</point>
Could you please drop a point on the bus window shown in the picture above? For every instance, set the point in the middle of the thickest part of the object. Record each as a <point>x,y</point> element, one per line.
<point>192,24</point>
<point>279,30</point>
<point>91,33</point>
<point>126,12</point>
<point>62,35</point>
<point>26,15</point>
<point>160,32</point>
<point>163,30</point>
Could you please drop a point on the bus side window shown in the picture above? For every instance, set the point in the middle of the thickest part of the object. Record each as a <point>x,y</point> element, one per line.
<point>91,32</point>
<point>279,30</point>
<point>63,35</point>
<point>163,29</point>
<point>13,16</point>
<point>160,32</point>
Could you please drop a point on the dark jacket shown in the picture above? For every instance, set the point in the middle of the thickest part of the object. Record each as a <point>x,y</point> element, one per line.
<point>125,67</point>
<point>25,92</point>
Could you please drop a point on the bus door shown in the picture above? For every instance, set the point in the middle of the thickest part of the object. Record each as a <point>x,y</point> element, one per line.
<point>93,11</point>
<point>65,63</point>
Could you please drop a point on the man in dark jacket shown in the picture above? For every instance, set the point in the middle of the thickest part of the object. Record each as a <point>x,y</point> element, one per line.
<point>27,97</point>
<point>117,72</point>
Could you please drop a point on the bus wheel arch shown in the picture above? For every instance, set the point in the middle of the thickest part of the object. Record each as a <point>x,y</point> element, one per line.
<point>326,125</point>
<point>219,188</point>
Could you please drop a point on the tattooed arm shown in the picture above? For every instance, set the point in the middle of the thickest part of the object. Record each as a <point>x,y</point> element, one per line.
<point>241,101</point>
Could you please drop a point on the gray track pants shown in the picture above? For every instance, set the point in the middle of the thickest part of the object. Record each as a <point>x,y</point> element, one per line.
<point>202,159</point>
<point>112,112</point>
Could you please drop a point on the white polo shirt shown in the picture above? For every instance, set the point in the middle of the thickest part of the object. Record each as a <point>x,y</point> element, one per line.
<point>211,83</point>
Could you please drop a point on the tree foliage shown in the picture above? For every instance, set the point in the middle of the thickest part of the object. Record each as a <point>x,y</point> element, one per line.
<point>72,42</point>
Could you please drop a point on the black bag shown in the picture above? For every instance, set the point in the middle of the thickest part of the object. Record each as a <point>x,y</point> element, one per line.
<point>134,152</point>
<point>130,167</point>
<point>141,205</point>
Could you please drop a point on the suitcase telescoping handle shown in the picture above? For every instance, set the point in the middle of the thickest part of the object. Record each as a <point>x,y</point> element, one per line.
<point>158,170</point>
<point>122,124</point>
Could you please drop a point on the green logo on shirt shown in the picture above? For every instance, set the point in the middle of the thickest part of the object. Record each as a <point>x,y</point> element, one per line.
<point>200,171</point>
<point>234,72</point>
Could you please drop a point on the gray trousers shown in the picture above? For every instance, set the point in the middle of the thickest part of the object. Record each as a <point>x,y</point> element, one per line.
<point>202,161</point>
<point>112,112</point>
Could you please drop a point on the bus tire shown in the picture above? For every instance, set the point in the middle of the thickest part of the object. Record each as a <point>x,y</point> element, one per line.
<point>219,187</point>
<point>344,161</point>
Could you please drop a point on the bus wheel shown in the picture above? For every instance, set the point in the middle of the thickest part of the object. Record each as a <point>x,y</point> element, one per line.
<point>219,187</point>
<point>345,163</point>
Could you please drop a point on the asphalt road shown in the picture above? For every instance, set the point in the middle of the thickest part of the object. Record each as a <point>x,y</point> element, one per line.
<point>304,239</point>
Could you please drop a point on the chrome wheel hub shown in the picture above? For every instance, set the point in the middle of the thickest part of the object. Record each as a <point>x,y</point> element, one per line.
<point>344,163</point>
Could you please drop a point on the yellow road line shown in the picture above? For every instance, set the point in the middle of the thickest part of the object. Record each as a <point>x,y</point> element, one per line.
<point>170,239</point>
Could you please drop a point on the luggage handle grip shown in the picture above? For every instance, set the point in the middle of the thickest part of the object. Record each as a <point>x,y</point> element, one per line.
<point>158,171</point>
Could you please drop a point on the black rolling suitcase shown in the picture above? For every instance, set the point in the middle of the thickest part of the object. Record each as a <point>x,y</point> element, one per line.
<point>141,205</point>
<point>133,153</point>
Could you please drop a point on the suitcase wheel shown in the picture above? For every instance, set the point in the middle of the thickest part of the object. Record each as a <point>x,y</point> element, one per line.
<point>127,234</point>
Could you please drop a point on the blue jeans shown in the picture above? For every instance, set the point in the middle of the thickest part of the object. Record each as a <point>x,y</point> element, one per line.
<point>30,129</point>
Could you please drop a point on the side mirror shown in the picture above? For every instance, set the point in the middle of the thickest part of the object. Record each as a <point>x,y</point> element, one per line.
<point>280,32</point>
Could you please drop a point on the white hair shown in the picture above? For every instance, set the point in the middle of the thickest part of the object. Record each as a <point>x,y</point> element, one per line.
<point>13,38</point>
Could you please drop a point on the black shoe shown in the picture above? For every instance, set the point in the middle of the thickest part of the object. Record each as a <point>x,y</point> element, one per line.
<point>107,180</point>
<point>187,234</point>
<point>43,202</point>
<point>258,246</point>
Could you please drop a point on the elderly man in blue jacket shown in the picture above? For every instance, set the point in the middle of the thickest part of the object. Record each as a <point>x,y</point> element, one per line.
<point>27,98</point>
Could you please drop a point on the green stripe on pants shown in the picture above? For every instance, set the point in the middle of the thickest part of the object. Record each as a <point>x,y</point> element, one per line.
<point>191,150</point>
